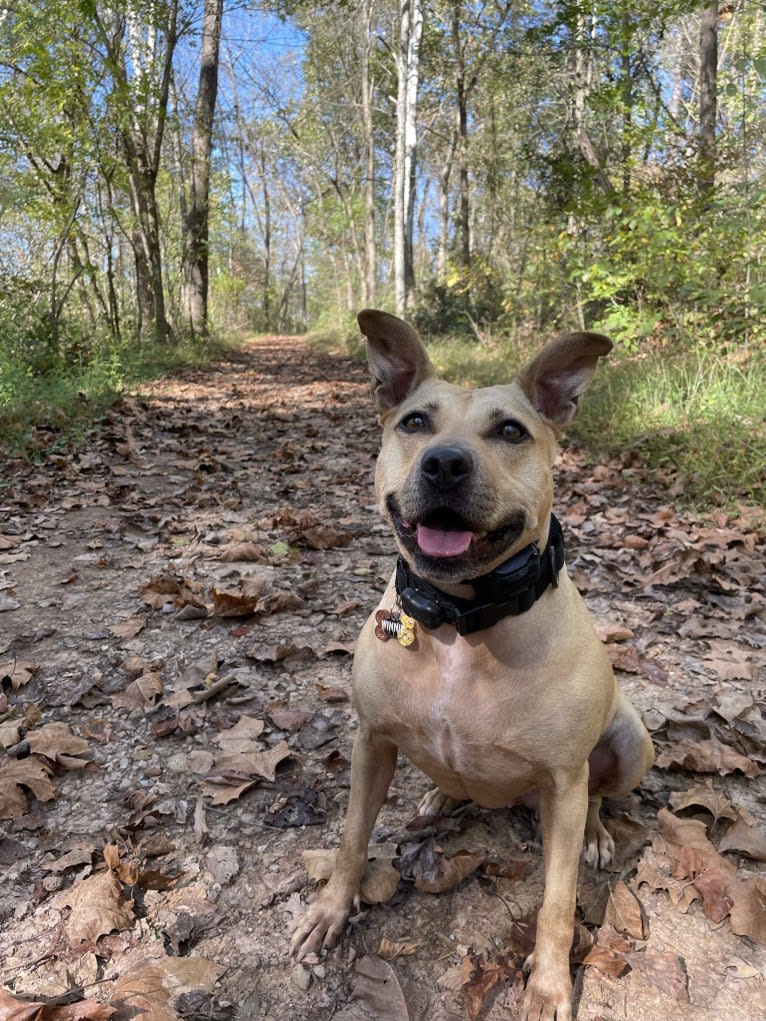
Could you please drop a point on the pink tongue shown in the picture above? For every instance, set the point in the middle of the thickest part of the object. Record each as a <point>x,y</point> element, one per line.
<point>435,542</point>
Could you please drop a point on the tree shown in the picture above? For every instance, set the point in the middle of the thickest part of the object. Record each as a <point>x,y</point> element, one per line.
<point>708,98</point>
<point>404,179</point>
<point>195,275</point>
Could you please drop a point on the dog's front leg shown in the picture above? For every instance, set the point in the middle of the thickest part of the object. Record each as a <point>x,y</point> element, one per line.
<point>372,768</point>
<point>563,810</point>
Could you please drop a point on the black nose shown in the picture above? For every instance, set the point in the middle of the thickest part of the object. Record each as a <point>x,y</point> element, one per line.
<point>446,467</point>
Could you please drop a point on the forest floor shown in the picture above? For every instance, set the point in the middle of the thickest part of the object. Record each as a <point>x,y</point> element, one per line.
<point>180,595</point>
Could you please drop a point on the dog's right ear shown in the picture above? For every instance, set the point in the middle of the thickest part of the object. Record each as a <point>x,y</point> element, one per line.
<point>398,360</point>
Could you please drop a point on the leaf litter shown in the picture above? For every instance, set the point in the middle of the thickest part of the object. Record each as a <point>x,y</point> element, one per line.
<point>181,595</point>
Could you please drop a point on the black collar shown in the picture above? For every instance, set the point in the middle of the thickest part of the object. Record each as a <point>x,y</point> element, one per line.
<point>509,590</point>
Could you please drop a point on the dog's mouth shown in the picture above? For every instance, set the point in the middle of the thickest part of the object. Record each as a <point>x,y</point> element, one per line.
<point>447,538</point>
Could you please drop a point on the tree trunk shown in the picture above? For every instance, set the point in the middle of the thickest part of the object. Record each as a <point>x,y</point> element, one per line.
<point>194,289</point>
<point>708,101</point>
<point>463,224</point>
<point>369,277</point>
<point>583,84</point>
<point>408,70</point>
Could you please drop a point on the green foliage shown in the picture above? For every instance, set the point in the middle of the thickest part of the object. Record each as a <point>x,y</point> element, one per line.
<point>466,301</point>
<point>45,397</point>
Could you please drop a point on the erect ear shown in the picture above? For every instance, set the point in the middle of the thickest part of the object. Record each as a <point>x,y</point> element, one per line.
<point>398,361</point>
<point>555,380</point>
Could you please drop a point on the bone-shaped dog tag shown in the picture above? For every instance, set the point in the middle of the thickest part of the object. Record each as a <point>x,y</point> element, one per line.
<point>394,624</point>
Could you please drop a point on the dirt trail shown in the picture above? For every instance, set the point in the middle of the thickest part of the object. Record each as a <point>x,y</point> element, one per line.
<point>179,600</point>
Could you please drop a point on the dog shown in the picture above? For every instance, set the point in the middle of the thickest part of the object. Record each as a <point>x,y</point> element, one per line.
<point>481,663</point>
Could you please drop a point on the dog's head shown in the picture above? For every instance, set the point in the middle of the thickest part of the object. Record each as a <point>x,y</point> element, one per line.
<point>464,476</point>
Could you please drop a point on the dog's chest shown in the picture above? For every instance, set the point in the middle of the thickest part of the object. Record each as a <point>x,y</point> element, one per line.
<point>455,717</point>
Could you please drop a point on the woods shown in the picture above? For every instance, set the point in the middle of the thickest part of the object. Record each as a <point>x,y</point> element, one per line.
<point>493,166</point>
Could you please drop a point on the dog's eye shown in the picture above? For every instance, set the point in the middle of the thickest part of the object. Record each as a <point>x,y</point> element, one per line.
<point>513,431</point>
<point>415,422</point>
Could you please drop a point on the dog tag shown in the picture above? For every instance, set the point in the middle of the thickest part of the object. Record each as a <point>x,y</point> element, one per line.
<point>394,624</point>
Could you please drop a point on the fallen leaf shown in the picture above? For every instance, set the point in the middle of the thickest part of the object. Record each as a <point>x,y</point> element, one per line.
<point>17,774</point>
<point>479,976</point>
<point>625,913</point>
<point>667,972</point>
<point>142,692</point>
<point>706,756</point>
<point>239,602</point>
<point>148,989</point>
<point>447,873</point>
<point>389,949</point>
<point>128,628</point>
<point>243,551</point>
<point>98,907</point>
<point>14,1009</point>
<point>704,796</point>
<point>56,741</point>
<point>746,838</point>
<point>17,672</point>
<point>609,633</point>
<point>611,952</point>
<point>376,987</point>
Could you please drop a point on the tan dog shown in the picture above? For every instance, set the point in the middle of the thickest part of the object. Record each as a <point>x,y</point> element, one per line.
<point>501,685</point>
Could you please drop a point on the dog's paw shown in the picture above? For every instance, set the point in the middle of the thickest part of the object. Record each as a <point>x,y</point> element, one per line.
<point>547,997</point>
<point>598,847</point>
<point>438,803</point>
<point>321,926</point>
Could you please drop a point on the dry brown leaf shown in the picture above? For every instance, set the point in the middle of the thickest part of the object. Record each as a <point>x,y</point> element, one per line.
<point>19,672</point>
<point>148,989</point>
<point>239,738</point>
<point>13,1009</point>
<point>222,791</point>
<point>731,664</point>
<point>746,838</point>
<point>667,972</point>
<point>447,873</point>
<point>331,694</point>
<point>128,628</point>
<point>240,602</point>
<point>285,718</point>
<point>389,949</point>
<point>479,976</point>
<point>243,552</point>
<point>611,952</point>
<point>376,987</point>
<point>748,913</point>
<point>140,693</point>
<point>706,756</point>
<point>609,633</point>
<point>508,869</point>
<point>157,591</point>
<point>704,796</point>
<point>82,854</point>
<point>98,907</point>
<point>625,913</point>
<point>15,775</point>
<point>253,763</point>
<point>682,847</point>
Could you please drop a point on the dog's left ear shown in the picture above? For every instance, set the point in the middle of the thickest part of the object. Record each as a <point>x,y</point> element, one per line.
<point>398,360</point>
<point>555,380</point>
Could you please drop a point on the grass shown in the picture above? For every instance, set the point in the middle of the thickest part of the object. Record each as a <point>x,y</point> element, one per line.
<point>697,417</point>
<point>40,408</point>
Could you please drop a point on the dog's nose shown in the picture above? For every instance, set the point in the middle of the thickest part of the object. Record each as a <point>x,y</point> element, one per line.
<point>446,467</point>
